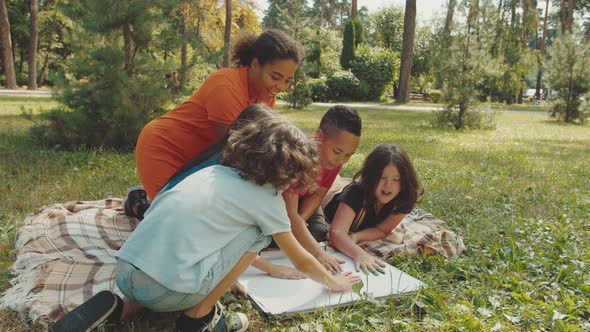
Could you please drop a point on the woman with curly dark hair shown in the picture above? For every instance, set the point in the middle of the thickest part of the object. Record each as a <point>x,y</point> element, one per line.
<point>263,66</point>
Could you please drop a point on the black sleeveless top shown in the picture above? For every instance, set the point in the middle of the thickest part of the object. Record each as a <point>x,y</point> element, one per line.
<point>365,217</point>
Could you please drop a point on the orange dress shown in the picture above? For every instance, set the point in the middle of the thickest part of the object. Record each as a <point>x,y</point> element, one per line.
<point>171,140</point>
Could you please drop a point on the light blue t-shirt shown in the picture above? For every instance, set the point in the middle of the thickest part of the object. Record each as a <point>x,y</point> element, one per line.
<point>181,236</point>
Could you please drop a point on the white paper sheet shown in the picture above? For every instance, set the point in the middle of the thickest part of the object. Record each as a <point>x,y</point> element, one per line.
<point>276,296</point>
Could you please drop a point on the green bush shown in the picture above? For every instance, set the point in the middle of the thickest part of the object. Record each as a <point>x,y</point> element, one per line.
<point>319,89</point>
<point>342,85</point>
<point>348,45</point>
<point>376,67</point>
<point>435,96</point>
<point>300,95</point>
<point>107,108</point>
<point>476,116</point>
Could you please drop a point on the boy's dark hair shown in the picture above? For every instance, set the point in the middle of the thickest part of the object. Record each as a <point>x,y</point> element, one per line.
<point>372,170</point>
<point>343,118</point>
<point>272,151</point>
<point>271,45</point>
<point>252,113</point>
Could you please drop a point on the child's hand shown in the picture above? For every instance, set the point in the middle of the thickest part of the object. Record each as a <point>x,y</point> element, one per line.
<point>285,272</point>
<point>344,282</point>
<point>239,290</point>
<point>331,263</point>
<point>368,263</point>
<point>353,237</point>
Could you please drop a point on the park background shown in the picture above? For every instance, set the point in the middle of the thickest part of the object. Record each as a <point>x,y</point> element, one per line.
<point>504,156</point>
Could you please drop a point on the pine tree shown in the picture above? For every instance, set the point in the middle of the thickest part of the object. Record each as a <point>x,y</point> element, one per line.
<point>123,84</point>
<point>568,71</point>
<point>33,42</point>
<point>348,44</point>
<point>359,32</point>
<point>467,63</point>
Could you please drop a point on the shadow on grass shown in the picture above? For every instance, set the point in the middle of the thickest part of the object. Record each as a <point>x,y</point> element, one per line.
<point>558,123</point>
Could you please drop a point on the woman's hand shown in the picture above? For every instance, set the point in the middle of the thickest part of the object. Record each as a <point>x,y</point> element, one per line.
<point>331,263</point>
<point>344,282</point>
<point>368,263</point>
<point>285,272</point>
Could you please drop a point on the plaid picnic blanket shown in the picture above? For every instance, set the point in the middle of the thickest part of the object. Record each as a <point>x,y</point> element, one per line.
<point>419,232</point>
<point>65,253</point>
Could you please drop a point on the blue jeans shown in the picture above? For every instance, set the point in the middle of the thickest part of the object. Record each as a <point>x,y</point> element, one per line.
<point>139,287</point>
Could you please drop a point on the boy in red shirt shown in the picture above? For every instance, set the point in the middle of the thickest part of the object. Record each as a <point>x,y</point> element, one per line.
<point>337,137</point>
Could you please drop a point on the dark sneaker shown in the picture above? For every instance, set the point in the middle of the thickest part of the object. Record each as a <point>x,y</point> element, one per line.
<point>90,314</point>
<point>236,322</point>
<point>137,202</point>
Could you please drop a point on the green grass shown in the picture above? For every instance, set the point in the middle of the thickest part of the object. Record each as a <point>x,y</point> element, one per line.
<point>519,196</point>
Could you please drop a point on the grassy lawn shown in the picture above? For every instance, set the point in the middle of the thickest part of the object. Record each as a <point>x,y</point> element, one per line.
<point>519,196</point>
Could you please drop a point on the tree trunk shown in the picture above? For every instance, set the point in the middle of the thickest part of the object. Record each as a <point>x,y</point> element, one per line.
<point>321,13</point>
<point>128,48</point>
<point>562,16</point>
<point>297,22</point>
<point>353,9</point>
<point>513,13</point>
<point>184,45</point>
<point>405,71</point>
<point>542,57</point>
<point>497,46</point>
<point>7,57</point>
<point>449,19</point>
<point>465,70</point>
<point>525,11</point>
<point>570,15</point>
<point>331,13</point>
<point>21,61</point>
<point>46,61</point>
<point>53,27</point>
<point>227,34</point>
<point>33,40</point>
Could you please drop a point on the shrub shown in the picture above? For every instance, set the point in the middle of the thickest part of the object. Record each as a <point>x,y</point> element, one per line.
<point>342,85</point>
<point>435,96</point>
<point>299,96</point>
<point>376,67</point>
<point>472,119</point>
<point>319,89</point>
<point>470,115</point>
